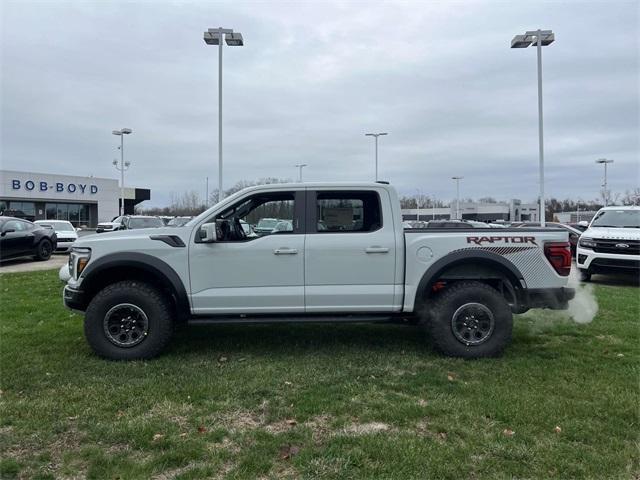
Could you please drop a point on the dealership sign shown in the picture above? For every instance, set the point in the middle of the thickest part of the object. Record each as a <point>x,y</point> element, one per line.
<point>30,185</point>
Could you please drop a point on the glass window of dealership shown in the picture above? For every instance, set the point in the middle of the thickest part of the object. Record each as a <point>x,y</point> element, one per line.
<point>83,201</point>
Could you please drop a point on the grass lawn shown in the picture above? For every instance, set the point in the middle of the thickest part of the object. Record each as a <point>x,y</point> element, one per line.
<point>318,401</point>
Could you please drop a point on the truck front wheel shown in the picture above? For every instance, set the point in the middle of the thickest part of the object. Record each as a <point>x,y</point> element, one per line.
<point>128,320</point>
<point>470,320</point>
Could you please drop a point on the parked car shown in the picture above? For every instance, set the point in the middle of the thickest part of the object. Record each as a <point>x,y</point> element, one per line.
<point>581,225</point>
<point>265,225</point>
<point>130,222</point>
<point>113,225</point>
<point>463,285</point>
<point>283,226</point>
<point>611,243</point>
<point>21,238</point>
<point>248,229</point>
<point>65,233</point>
<point>574,234</point>
<point>178,221</point>
<point>456,224</point>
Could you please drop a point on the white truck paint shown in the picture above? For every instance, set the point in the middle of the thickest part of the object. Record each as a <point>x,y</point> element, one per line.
<point>363,266</point>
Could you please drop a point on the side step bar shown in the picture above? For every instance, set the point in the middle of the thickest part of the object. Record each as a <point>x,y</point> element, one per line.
<point>264,319</point>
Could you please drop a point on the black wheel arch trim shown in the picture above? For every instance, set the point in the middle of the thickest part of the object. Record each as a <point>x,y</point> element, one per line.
<point>148,263</point>
<point>463,256</point>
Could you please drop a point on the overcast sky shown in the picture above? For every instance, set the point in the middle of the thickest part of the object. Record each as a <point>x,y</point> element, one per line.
<point>312,78</point>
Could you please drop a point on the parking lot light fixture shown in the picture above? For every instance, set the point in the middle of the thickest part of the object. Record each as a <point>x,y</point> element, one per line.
<point>376,135</point>
<point>539,38</point>
<point>214,36</point>
<point>605,192</point>
<point>123,165</point>
<point>300,166</point>
<point>457,179</point>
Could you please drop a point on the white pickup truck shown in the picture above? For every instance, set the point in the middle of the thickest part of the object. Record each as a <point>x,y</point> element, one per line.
<point>346,259</point>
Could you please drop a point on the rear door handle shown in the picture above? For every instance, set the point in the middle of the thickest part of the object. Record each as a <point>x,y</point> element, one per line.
<point>377,250</point>
<point>285,251</point>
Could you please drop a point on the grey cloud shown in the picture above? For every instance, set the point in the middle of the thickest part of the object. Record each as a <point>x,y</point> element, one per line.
<point>311,80</point>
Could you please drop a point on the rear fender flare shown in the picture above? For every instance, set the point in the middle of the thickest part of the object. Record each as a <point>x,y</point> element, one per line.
<point>465,256</point>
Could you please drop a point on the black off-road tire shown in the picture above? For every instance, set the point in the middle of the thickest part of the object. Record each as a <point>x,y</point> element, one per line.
<point>585,275</point>
<point>463,298</point>
<point>146,298</point>
<point>44,250</point>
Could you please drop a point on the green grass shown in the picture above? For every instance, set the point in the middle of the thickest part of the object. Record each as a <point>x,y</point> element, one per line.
<point>317,401</point>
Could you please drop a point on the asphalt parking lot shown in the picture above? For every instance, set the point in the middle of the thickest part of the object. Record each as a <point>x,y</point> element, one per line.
<point>27,264</point>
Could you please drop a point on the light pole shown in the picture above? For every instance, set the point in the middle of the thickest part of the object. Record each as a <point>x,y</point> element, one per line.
<point>376,135</point>
<point>541,38</point>
<point>457,179</point>
<point>300,166</point>
<point>123,166</point>
<point>213,36</point>
<point>605,193</point>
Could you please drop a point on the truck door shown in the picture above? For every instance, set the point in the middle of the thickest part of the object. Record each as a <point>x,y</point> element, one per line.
<point>350,251</point>
<point>245,272</point>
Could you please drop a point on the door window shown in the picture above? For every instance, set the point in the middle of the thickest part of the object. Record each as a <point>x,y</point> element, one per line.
<point>345,212</point>
<point>15,225</point>
<point>257,216</point>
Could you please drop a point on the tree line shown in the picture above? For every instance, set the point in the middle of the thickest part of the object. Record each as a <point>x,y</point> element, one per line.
<point>192,203</point>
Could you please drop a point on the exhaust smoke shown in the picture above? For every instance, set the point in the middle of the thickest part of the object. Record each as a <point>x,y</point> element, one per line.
<point>584,306</point>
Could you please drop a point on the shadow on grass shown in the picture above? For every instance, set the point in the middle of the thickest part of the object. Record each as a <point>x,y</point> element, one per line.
<point>299,339</point>
<point>622,279</point>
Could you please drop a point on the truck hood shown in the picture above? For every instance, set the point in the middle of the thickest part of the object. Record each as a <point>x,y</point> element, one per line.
<point>125,237</point>
<point>613,233</point>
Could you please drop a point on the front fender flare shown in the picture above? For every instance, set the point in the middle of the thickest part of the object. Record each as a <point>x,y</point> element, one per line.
<point>154,266</point>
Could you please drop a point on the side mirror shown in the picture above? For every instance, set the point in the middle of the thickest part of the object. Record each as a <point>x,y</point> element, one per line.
<point>207,233</point>
<point>8,230</point>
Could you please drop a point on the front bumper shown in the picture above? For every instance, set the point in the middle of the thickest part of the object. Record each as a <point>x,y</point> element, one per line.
<point>595,262</point>
<point>552,298</point>
<point>73,298</point>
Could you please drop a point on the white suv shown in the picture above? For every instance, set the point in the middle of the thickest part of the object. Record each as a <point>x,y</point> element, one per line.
<point>611,243</point>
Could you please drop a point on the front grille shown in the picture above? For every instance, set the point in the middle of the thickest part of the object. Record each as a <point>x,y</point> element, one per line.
<point>615,263</point>
<point>606,245</point>
<point>60,240</point>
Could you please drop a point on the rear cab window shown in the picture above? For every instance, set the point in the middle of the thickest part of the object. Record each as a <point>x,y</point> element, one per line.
<point>346,212</point>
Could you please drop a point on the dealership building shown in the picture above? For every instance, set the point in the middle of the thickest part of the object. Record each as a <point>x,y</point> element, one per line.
<point>512,211</point>
<point>84,201</point>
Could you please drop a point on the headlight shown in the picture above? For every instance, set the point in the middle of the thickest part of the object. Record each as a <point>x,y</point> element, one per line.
<point>587,242</point>
<point>78,260</point>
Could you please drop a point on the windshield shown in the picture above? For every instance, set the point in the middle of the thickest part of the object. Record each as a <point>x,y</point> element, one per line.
<point>617,219</point>
<point>60,226</point>
<point>267,223</point>
<point>147,222</point>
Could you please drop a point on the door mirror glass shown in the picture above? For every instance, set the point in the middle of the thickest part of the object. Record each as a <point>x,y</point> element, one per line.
<point>207,233</point>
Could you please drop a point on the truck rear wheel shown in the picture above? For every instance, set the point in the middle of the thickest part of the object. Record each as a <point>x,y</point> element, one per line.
<point>470,320</point>
<point>128,320</point>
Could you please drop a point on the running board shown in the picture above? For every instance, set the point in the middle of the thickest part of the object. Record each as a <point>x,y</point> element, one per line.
<point>257,319</point>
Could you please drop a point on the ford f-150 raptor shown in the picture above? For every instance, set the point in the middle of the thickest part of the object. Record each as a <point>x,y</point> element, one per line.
<point>347,258</point>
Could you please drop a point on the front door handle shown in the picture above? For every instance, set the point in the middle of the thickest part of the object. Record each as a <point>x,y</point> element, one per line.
<point>285,251</point>
<point>377,249</point>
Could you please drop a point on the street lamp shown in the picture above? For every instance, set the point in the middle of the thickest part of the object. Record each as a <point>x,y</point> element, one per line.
<point>457,179</point>
<point>300,166</point>
<point>376,135</point>
<point>123,165</point>
<point>213,36</point>
<point>605,194</point>
<point>540,38</point>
